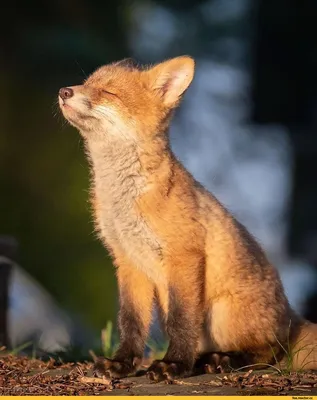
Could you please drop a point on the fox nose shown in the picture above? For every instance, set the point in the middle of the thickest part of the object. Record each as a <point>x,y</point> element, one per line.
<point>66,93</point>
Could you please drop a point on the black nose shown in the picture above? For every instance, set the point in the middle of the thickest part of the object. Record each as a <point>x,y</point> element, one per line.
<point>66,93</point>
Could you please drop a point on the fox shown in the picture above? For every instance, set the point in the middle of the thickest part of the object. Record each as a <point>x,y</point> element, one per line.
<point>174,245</point>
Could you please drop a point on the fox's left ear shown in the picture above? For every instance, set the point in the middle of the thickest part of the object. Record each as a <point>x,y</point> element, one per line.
<point>171,78</point>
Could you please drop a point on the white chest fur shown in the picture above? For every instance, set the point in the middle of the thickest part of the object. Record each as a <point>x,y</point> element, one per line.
<point>118,183</point>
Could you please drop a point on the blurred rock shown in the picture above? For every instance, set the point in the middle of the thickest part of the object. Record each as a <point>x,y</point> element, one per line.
<point>32,313</point>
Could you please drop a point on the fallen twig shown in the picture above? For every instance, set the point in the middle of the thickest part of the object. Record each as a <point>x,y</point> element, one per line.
<point>93,355</point>
<point>102,381</point>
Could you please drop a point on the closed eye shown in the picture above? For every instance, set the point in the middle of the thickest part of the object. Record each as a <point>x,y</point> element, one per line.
<point>108,92</point>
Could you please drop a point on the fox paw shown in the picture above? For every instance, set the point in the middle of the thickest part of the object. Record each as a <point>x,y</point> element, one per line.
<point>115,368</point>
<point>167,371</point>
<point>214,363</point>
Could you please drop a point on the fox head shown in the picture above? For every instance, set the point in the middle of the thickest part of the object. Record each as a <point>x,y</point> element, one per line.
<point>124,102</point>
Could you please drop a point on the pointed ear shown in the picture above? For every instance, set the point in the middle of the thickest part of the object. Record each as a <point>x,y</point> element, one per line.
<point>171,78</point>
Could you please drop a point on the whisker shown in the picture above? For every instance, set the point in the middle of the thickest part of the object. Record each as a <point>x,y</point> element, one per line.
<point>85,75</point>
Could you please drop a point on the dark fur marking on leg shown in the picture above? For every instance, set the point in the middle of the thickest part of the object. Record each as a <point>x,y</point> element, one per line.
<point>129,355</point>
<point>182,331</point>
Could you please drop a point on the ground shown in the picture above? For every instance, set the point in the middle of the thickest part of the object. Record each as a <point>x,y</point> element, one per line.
<point>25,376</point>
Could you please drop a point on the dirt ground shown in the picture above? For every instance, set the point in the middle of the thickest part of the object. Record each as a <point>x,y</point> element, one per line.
<point>24,376</point>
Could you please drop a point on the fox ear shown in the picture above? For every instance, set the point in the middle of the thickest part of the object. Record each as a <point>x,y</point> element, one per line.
<point>171,78</point>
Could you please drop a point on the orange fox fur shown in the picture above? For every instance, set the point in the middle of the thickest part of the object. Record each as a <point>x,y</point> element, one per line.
<point>172,241</point>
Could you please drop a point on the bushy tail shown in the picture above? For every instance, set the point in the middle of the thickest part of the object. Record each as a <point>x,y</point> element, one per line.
<point>304,347</point>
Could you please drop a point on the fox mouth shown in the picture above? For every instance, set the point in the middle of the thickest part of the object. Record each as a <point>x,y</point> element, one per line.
<point>76,118</point>
<point>66,106</point>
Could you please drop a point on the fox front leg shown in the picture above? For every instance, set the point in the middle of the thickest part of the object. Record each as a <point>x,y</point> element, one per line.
<point>136,297</point>
<point>183,323</point>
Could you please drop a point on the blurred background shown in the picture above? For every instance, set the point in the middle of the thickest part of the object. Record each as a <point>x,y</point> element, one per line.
<point>246,130</point>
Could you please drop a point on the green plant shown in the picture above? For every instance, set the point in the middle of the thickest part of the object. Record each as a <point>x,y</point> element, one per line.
<point>109,341</point>
<point>18,349</point>
<point>157,349</point>
<point>288,361</point>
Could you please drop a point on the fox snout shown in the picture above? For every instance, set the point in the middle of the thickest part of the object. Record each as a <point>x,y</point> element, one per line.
<point>66,93</point>
<point>76,104</point>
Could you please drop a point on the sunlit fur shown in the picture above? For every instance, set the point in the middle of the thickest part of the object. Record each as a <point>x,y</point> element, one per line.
<point>166,233</point>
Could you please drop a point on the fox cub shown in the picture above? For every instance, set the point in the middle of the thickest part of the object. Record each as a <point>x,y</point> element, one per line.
<point>221,302</point>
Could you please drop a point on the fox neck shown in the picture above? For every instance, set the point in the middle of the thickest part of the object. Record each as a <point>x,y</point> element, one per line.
<point>128,167</point>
